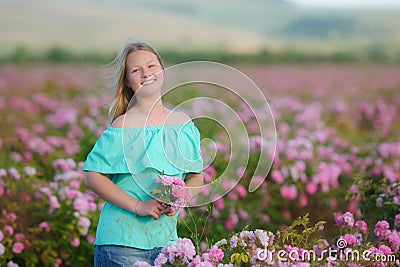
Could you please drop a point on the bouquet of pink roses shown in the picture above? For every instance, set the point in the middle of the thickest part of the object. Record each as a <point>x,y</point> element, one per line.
<point>172,191</point>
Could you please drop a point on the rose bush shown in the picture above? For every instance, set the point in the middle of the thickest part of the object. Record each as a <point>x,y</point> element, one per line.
<point>47,223</point>
<point>326,150</point>
<point>299,245</point>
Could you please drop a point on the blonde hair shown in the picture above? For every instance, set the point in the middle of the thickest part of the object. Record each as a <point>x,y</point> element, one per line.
<point>123,93</point>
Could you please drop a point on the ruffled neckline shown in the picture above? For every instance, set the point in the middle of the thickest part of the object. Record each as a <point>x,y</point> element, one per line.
<point>172,148</point>
<point>150,127</point>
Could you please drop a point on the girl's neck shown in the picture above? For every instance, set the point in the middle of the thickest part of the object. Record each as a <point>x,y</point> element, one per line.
<point>149,105</point>
<point>154,111</point>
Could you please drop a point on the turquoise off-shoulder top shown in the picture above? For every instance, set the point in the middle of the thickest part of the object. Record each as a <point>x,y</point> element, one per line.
<point>133,158</point>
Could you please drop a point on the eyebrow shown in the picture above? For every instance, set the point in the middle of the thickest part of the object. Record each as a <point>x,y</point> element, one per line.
<point>151,61</point>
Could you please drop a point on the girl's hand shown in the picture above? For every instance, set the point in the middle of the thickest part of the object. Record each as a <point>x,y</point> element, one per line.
<point>169,212</point>
<point>151,207</point>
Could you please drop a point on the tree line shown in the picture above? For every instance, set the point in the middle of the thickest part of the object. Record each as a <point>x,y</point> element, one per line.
<point>22,55</point>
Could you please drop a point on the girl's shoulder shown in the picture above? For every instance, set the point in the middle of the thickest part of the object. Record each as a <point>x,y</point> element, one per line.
<point>177,117</point>
<point>130,119</point>
<point>119,122</point>
<point>133,120</point>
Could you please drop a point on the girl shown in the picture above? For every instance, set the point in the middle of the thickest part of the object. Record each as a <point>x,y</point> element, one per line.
<point>144,140</point>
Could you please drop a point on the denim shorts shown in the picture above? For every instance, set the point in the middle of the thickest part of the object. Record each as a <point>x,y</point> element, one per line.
<point>111,255</point>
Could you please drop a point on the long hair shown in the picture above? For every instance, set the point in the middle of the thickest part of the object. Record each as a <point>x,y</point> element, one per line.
<point>123,93</point>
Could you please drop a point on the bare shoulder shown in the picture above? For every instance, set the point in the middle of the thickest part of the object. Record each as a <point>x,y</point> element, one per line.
<point>130,119</point>
<point>119,122</point>
<point>178,117</point>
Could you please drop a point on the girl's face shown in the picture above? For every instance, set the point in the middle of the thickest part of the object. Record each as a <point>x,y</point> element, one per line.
<point>144,71</point>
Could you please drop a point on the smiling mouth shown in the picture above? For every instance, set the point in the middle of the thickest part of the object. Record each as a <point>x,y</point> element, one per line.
<point>149,81</point>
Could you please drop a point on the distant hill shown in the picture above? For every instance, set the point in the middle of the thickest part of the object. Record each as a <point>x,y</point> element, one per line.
<point>240,25</point>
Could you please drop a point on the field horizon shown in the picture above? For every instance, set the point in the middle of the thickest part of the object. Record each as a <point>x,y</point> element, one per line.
<point>244,27</point>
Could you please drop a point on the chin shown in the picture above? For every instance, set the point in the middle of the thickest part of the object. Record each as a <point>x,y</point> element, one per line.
<point>150,89</point>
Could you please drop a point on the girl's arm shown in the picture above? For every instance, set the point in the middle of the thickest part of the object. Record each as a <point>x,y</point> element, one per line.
<point>111,193</point>
<point>194,179</point>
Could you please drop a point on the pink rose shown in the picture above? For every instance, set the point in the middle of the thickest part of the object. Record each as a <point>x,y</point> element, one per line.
<point>396,220</point>
<point>385,250</point>
<point>277,176</point>
<point>289,192</point>
<point>9,229</point>
<point>45,226</point>
<point>18,247</point>
<point>58,262</point>
<point>19,236</point>
<point>53,202</point>
<point>311,188</point>
<point>14,173</point>
<point>75,242</point>
<point>11,217</point>
<point>232,196</point>
<point>241,190</point>
<point>215,254</point>
<point>2,249</point>
<point>90,239</point>
<point>350,239</point>
<point>84,222</point>
<point>229,223</point>
<point>303,200</point>
<point>81,204</point>
<point>74,185</point>
<point>348,219</point>
<point>71,194</point>
<point>381,229</point>
<point>362,225</point>
<point>220,204</point>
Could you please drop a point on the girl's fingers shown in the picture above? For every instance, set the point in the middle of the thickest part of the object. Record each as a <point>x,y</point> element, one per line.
<point>164,211</point>
<point>165,208</point>
<point>156,215</point>
<point>171,213</point>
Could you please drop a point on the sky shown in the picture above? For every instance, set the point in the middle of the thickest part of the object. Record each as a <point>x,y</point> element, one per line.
<point>350,3</point>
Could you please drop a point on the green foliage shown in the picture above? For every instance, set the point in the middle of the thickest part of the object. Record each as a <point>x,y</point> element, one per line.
<point>59,55</point>
<point>21,55</point>
<point>320,27</point>
<point>378,198</point>
<point>299,232</point>
<point>194,225</point>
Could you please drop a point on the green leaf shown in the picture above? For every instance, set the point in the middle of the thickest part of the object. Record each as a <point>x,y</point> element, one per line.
<point>155,192</point>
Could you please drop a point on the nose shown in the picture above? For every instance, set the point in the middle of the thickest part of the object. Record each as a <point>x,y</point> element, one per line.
<point>145,72</point>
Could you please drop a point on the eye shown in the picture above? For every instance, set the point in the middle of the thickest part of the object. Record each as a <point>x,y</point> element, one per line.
<point>135,70</point>
<point>152,66</point>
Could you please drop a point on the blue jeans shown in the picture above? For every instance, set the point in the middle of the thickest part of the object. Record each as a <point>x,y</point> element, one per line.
<point>111,255</point>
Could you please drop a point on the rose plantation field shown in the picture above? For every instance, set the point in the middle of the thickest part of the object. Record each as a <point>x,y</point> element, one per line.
<point>335,175</point>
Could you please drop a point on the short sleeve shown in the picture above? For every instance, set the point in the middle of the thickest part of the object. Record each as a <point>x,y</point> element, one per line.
<point>107,155</point>
<point>190,149</point>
